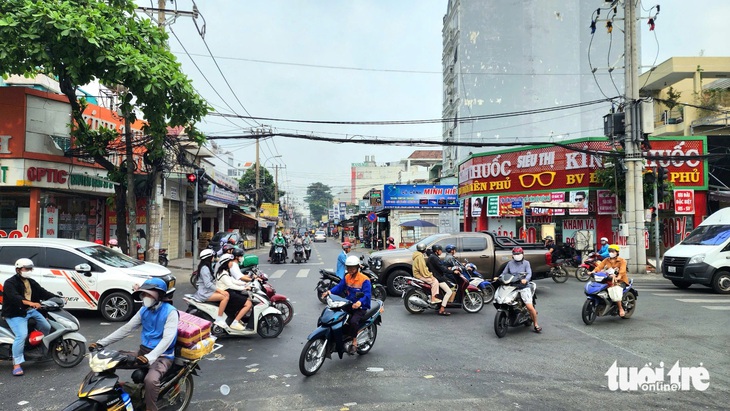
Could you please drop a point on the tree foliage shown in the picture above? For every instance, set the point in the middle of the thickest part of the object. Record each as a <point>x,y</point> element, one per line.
<point>319,198</point>
<point>247,183</point>
<point>613,178</point>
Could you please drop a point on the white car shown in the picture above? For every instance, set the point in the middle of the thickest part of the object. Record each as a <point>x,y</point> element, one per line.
<point>320,235</point>
<point>59,268</point>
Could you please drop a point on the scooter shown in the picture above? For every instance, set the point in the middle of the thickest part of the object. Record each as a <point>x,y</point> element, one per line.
<point>582,273</point>
<point>328,338</point>
<point>263,319</point>
<point>599,304</point>
<point>162,257</point>
<point>307,251</point>
<point>511,310</point>
<point>328,279</point>
<point>63,344</point>
<point>469,270</point>
<point>417,296</point>
<point>557,269</point>
<point>279,256</point>
<point>102,390</point>
<point>298,253</point>
<point>278,301</point>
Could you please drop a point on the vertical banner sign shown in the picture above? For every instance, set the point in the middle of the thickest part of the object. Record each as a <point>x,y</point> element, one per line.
<point>580,199</point>
<point>607,204</point>
<point>559,198</point>
<point>50,221</point>
<point>476,206</point>
<point>343,209</point>
<point>684,201</point>
<point>492,206</point>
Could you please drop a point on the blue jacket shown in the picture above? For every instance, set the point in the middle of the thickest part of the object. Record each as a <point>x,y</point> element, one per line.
<point>351,286</point>
<point>603,251</point>
<point>153,327</point>
<point>341,264</point>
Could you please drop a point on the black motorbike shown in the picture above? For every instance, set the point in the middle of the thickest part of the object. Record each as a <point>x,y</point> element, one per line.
<point>162,257</point>
<point>511,310</point>
<point>279,255</point>
<point>328,280</point>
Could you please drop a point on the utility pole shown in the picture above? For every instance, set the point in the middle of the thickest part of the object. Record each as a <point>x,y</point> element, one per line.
<point>256,203</point>
<point>130,166</point>
<point>634,159</point>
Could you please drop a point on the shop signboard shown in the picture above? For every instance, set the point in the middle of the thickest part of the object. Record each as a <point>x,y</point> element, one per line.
<point>558,198</point>
<point>476,206</point>
<point>572,225</point>
<point>607,202</point>
<point>269,210</point>
<point>492,206</point>
<point>684,201</point>
<point>420,196</point>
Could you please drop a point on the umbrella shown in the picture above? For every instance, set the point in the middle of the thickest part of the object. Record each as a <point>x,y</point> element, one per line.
<point>417,223</point>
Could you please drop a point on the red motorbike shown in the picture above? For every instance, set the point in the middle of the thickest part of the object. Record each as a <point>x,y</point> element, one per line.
<point>278,301</point>
<point>417,296</point>
<point>582,273</point>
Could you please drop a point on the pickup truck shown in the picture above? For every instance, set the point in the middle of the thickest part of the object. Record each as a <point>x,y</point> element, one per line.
<point>488,252</point>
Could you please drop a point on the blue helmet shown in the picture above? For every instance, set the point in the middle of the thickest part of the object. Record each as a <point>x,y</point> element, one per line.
<point>449,248</point>
<point>156,284</point>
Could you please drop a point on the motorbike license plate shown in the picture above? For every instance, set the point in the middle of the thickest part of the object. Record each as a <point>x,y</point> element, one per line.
<point>672,269</point>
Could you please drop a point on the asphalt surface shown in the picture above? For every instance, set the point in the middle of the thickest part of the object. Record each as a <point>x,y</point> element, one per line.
<point>431,362</point>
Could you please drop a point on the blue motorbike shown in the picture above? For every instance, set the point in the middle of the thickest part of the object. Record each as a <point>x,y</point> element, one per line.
<point>599,302</point>
<point>475,278</point>
<point>328,337</point>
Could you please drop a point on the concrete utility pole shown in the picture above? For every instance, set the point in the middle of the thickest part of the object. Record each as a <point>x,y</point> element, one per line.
<point>634,159</point>
<point>256,203</point>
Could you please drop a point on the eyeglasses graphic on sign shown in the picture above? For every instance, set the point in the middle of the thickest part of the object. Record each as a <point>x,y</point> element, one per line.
<point>545,179</point>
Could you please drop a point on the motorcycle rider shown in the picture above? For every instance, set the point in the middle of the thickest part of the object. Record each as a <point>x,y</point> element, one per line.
<point>297,242</point>
<point>158,319</point>
<point>603,251</point>
<point>354,282</point>
<point>420,271</point>
<point>391,243</point>
<point>207,290</point>
<point>226,249</point>
<point>307,246</point>
<point>238,303</point>
<point>279,240</point>
<point>517,266</point>
<point>442,274</point>
<point>550,246</point>
<point>114,245</point>
<point>235,269</point>
<point>617,273</point>
<point>450,258</point>
<point>342,258</point>
<point>21,299</point>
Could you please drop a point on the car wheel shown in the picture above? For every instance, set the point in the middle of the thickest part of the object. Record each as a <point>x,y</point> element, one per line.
<point>681,284</point>
<point>721,282</point>
<point>397,282</point>
<point>117,306</point>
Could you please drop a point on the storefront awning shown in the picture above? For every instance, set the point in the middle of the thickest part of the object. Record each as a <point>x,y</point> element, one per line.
<point>260,221</point>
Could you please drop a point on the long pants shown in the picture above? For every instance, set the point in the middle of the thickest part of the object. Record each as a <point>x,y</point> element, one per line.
<point>19,325</point>
<point>152,380</point>
<point>434,286</point>
<point>353,324</point>
<point>447,293</point>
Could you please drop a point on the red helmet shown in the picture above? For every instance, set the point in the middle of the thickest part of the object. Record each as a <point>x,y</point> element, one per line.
<point>35,337</point>
<point>346,244</point>
<point>517,250</point>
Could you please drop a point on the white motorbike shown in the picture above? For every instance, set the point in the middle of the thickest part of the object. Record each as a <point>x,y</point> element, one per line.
<point>263,319</point>
<point>511,310</point>
<point>63,344</point>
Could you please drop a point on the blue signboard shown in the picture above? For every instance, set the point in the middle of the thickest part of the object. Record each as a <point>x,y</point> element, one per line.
<point>420,196</point>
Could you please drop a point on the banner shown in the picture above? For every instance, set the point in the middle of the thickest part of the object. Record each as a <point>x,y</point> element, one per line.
<point>607,202</point>
<point>420,196</point>
<point>684,201</point>
<point>476,206</point>
<point>580,199</point>
<point>269,210</point>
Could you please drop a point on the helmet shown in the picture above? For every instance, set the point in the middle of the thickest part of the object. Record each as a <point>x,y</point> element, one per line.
<point>548,238</point>
<point>113,241</point>
<point>614,247</point>
<point>436,247</point>
<point>471,266</point>
<point>279,234</point>
<point>449,248</point>
<point>517,250</point>
<point>346,244</point>
<point>227,248</point>
<point>207,253</point>
<point>421,247</point>
<point>391,239</point>
<point>224,259</point>
<point>604,239</point>
<point>24,263</point>
<point>351,261</point>
<point>151,284</point>
<point>237,252</point>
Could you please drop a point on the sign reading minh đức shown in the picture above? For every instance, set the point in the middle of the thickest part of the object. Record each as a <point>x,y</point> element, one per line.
<point>420,196</point>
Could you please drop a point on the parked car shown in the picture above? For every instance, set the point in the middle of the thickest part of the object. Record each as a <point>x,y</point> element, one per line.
<point>488,252</point>
<point>320,235</point>
<point>107,288</point>
<point>222,237</point>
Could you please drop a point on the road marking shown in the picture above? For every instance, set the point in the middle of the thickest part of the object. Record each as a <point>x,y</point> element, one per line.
<point>303,273</point>
<point>702,300</point>
<point>277,274</point>
<point>715,307</point>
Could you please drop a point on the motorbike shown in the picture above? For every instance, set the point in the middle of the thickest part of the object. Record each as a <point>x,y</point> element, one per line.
<point>298,253</point>
<point>277,301</point>
<point>279,256</point>
<point>162,257</point>
<point>417,296</point>
<point>64,345</point>
<point>328,339</point>
<point>599,304</point>
<point>102,390</point>
<point>471,274</point>
<point>307,251</point>
<point>511,310</point>
<point>557,270</point>
<point>263,319</point>
<point>582,273</point>
<point>328,279</point>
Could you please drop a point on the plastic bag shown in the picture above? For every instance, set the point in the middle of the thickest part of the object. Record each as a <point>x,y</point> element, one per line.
<point>616,293</point>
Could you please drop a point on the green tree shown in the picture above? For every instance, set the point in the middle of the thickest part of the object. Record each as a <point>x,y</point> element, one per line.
<point>79,41</point>
<point>613,178</point>
<point>319,198</point>
<point>247,184</point>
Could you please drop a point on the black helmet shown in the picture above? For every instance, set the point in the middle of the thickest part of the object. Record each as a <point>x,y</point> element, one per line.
<point>237,252</point>
<point>421,247</point>
<point>449,248</point>
<point>227,248</point>
<point>436,247</point>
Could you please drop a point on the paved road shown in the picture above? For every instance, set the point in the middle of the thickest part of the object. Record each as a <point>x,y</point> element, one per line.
<point>425,361</point>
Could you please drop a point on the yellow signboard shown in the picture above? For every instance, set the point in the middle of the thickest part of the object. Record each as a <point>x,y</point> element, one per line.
<point>269,210</point>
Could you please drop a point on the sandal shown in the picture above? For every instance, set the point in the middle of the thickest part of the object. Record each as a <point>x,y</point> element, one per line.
<point>444,313</point>
<point>17,372</point>
<point>537,329</point>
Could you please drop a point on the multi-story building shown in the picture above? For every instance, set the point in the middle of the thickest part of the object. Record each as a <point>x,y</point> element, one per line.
<point>370,175</point>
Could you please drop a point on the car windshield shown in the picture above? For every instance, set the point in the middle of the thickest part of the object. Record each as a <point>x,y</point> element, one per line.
<point>428,240</point>
<point>708,235</point>
<point>110,257</point>
<point>319,233</point>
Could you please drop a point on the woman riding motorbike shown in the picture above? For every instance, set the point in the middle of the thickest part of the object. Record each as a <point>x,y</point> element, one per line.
<point>207,290</point>
<point>238,304</point>
<point>616,267</point>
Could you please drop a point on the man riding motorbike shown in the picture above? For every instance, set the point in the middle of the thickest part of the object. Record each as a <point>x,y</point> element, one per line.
<point>442,274</point>
<point>342,258</point>
<point>420,271</point>
<point>158,319</point>
<point>354,282</point>
<point>616,267</point>
<point>279,240</point>
<point>603,251</point>
<point>517,266</point>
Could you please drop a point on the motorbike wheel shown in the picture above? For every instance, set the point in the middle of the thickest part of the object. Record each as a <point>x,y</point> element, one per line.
<point>179,396</point>
<point>194,280</point>
<point>270,325</point>
<point>414,309</point>
<point>379,292</point>
<point>473,303</point>
<point>363,349</point>
<point>581,273</point>
<point>560,274</point>
<point>500,323</point>
<point>312,356</point>
<point>287,310</point>
<point>162,261</point>
<point>67,353</point>
<point>629,302</point>
<point>488,294</point>
<point>589,312</point>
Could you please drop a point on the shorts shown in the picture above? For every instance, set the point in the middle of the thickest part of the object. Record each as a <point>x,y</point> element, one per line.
<point>526,295</point>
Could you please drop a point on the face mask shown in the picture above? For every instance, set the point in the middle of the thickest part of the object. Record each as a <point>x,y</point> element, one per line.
<point>518,257</point>
<point>148,301</point>
<point>25,274</point>
<point>612,255</point>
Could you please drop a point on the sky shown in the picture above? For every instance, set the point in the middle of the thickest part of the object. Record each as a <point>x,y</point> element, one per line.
<point>356,60</point>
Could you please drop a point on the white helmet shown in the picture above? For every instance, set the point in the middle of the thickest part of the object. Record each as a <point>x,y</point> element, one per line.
<point>351,261</point>
<point>604,239</point>
<point>207,253</point>
<point>24,263</point>
<point>224,259</point>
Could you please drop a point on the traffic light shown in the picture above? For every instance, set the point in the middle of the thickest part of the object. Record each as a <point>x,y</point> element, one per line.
<point>662,183</point>
<point>203,185</point>
<point>196,215</point>
<point>192,178</point>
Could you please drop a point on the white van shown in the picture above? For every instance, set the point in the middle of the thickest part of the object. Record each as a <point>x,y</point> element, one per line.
<point>703,257</point>
<point>107,287</point>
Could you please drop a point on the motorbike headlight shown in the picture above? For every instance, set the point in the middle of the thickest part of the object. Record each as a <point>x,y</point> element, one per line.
<point>697,259</point>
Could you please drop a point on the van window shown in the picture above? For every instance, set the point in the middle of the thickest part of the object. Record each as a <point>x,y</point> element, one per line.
<point>66,260</point>
<point>474,243</point>
<point>9,255</point>
<point>708,235</point>
<point>109,256</point>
